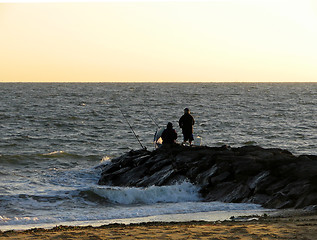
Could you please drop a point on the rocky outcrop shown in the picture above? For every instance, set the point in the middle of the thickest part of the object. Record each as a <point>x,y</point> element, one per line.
<point>274,178</point>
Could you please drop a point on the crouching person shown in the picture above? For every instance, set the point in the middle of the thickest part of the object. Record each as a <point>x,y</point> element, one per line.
<point>169,135</point>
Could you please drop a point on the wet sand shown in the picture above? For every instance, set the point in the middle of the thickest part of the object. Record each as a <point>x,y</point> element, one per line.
<point>290,227</point>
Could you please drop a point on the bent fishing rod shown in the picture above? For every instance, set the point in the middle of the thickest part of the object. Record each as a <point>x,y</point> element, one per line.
<point>132,129</point>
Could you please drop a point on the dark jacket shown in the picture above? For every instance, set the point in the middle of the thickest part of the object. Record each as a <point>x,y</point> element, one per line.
<point>186,122</point>
<point>169,136</point>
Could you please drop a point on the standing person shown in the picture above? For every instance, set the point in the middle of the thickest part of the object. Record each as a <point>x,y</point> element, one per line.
<point>186,123</point>
<point>169,135</point>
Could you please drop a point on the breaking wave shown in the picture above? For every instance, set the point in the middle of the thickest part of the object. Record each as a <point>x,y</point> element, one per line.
<point>101,203</point>
<point>184,192</point>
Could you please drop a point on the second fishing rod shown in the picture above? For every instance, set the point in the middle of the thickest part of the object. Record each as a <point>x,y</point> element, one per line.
<point>132,129</point>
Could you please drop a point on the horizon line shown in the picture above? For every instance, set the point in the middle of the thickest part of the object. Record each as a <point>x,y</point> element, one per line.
<point>163,82</point>
<point>100,1</point>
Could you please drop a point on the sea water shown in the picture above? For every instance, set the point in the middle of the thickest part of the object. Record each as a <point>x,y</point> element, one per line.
<point>55,137</point>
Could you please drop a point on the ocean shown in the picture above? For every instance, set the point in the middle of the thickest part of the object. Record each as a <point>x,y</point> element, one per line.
<point>54,138</point>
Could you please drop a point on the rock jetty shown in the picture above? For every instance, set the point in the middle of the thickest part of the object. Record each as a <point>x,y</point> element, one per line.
<point>273,177</point>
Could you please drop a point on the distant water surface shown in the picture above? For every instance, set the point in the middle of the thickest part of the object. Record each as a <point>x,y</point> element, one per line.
<point>55,135</point>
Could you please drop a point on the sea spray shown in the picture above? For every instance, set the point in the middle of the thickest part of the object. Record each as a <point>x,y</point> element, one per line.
<point>184,192</point>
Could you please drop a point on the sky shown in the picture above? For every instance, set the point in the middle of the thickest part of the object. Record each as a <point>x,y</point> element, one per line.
<point>158,41</point>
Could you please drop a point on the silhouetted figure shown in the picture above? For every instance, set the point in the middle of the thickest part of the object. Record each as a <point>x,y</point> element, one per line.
<point>169,135</point>
<point>186,123</point>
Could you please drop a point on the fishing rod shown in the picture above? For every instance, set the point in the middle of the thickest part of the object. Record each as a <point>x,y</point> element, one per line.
<point>132,129</point>
<point>152,119</point>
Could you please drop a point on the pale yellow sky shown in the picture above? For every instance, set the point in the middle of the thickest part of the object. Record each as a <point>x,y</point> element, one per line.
<point>190,41</point>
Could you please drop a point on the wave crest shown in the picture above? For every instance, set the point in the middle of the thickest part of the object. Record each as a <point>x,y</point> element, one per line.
<point>183,192</point>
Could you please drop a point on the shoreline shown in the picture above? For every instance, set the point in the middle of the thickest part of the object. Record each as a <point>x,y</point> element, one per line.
<point>209,216</point>
<point>288,225</point>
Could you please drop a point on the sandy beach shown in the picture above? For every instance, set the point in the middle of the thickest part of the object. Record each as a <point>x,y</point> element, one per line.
<point>290,227</point>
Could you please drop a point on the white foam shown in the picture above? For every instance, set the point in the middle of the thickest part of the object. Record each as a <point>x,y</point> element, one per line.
<point>183,192</point>
<point>53,153</point>
<point>186,211</point>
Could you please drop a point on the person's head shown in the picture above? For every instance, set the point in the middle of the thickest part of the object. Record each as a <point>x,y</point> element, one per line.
<point>169,125</point>
<point>186,110</point>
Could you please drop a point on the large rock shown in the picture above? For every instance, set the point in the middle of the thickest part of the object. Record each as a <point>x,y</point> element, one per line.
<point>274,178</point>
